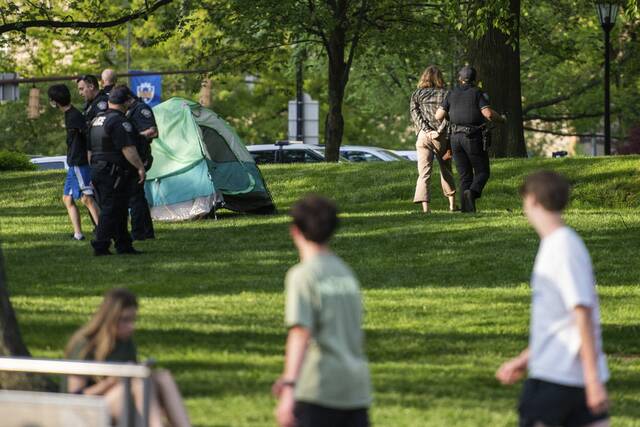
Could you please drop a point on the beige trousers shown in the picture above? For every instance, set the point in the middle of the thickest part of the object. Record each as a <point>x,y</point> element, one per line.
<point>427,149</point>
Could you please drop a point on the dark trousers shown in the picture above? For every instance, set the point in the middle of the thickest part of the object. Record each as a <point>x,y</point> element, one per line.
<point>141,223</point>
<point>472,162</point>
<point>112,193</point>
<point>311,415</point>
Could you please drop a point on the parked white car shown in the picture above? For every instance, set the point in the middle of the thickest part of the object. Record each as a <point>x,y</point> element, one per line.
<point>407,154</point>
<point>362,153</point>
<point>50,162</point>
<point>286,153</point>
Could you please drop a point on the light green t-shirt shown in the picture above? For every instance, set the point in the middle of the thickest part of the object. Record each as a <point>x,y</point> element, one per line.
<point>323,295</point>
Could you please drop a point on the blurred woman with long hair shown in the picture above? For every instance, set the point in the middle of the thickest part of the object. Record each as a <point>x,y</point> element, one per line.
<point>432,138</point>
<point>108,337</point>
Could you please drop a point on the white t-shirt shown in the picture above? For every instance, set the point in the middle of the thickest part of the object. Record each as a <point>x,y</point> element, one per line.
<point>562,279</point>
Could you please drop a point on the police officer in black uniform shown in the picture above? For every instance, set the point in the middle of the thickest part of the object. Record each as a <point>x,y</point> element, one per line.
<point>144,124</point>
<point>469,111</point>
<point>96,100</point>
<point>114,163</point>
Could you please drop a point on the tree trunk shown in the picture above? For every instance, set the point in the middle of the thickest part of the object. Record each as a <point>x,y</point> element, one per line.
<point>10,338</point>
<point>338,75</point>
<point>498,65</point>
<point>11,344</point>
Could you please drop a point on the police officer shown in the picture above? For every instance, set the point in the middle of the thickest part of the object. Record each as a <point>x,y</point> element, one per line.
<point>144,125</point>
<point>113,153</point>
<point>468,111</point>
<point>96,101</point>
<point>108,78</point>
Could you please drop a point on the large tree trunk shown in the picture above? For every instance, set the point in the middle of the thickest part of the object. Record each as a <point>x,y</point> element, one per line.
<point>498,65</point>
<point>338,76</point>
<point>11,343</point>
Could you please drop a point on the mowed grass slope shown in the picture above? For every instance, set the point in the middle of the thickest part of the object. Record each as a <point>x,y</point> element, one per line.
<point>446,295</point>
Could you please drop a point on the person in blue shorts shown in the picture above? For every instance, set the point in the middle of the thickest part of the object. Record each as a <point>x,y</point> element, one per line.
<point>77,185</point>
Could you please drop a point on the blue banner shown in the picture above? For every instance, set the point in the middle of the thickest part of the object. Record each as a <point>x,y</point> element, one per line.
<point>147,88</point>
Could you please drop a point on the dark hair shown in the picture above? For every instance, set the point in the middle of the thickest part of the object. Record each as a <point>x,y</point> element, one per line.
<point>90,79</point>
<point>120,94</point>
<point>60,94</point>
<point>316,217</point>
<point>550,189</point>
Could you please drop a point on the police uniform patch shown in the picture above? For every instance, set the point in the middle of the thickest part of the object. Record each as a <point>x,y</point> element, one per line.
<point>127,126</point>
<point>146,112</point>
<point>102,105</point>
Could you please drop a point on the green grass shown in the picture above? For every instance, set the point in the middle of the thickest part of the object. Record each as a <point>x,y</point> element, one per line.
<point>446,296</point>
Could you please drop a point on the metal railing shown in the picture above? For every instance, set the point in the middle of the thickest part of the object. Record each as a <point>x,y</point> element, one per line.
<point>125,371</point>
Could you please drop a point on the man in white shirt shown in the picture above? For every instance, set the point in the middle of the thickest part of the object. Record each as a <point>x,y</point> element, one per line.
<point>567,368</point>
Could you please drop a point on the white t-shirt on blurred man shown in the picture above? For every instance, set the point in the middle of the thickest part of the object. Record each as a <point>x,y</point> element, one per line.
<point>562,280</point>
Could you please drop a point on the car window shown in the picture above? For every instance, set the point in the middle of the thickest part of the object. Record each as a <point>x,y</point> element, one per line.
<point>394,155</point>
<point>300,156</point>
<point>360,156</point>
<point>262,157</point>
<point>50,165</point>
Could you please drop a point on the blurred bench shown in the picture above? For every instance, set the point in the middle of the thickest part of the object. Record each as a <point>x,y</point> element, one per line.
<point>40,409</point>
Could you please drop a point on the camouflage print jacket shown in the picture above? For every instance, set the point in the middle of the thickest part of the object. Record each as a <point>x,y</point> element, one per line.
<point>423,107</point>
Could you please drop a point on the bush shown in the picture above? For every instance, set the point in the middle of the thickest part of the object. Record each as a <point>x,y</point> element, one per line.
<point>10,161</point>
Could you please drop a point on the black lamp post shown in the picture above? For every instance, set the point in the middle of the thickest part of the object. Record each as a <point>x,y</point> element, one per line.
<point>607,13</point>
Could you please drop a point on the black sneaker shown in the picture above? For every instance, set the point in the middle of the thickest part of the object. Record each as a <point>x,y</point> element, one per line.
<point>73,237</point>
<point>469,202</point>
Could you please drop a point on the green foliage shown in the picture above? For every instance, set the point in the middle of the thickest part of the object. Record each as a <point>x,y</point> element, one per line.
<point>446,296</point>
<point>12,161</point>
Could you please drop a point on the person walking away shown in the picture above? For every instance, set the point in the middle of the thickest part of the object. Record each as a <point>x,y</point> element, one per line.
<point>96,101</point>
<point>567,367</point>
<point>108,337</point>
<point>77,185</point>
<point>145,128</point>
<point>468,109</point>
<point>113,153</point>
<point>432,140</point>
<point>108,78</point>
<point>325,381</point>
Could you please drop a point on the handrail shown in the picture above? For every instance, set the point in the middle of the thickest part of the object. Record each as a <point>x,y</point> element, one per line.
<point>74,367</point>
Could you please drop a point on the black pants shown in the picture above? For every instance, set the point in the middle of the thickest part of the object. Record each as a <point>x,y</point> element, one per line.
<point>472,162</point>
<point>555,405</point>
<point>112,193</point>
<point>141,223</point>
<point>311,415</point>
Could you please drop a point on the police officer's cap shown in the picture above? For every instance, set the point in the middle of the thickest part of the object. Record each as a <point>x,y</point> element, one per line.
<point>467,74</point>
<point>119,95</point>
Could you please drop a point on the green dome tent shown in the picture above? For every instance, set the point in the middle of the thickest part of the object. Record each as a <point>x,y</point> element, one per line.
<point>200,163</point>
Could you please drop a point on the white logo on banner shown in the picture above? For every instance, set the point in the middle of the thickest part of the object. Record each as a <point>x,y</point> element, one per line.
<point>145,91</point>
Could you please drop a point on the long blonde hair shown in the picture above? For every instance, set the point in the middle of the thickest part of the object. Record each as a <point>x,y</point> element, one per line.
<point>100,332</point>
<point>431,77</point>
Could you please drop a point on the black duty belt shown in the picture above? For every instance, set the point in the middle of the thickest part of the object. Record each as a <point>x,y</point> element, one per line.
<point>468,130</point>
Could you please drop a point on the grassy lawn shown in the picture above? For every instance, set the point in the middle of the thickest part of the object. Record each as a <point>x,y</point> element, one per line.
<point>446,295</point>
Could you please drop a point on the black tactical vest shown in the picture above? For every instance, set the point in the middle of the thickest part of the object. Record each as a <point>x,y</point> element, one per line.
<point>101,143</point>
<point>463,106</point>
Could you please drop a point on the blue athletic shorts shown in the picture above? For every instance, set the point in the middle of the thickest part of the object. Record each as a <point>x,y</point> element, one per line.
<point>78,182</point>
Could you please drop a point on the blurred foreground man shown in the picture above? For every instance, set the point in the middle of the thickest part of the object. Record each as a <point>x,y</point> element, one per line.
<point>77,185</point>
<point>567,368</point>
<point>326,381</point>
<point>145,128</point>
<point>113,153</point>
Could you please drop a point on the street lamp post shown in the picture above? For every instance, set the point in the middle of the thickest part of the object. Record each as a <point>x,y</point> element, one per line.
<point>607,13</point>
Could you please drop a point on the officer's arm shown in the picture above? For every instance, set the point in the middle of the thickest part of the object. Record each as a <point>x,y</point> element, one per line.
<point>150,133</point>
<point>492,115</point>
<point>441,114</point>
<point>132,156</point>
